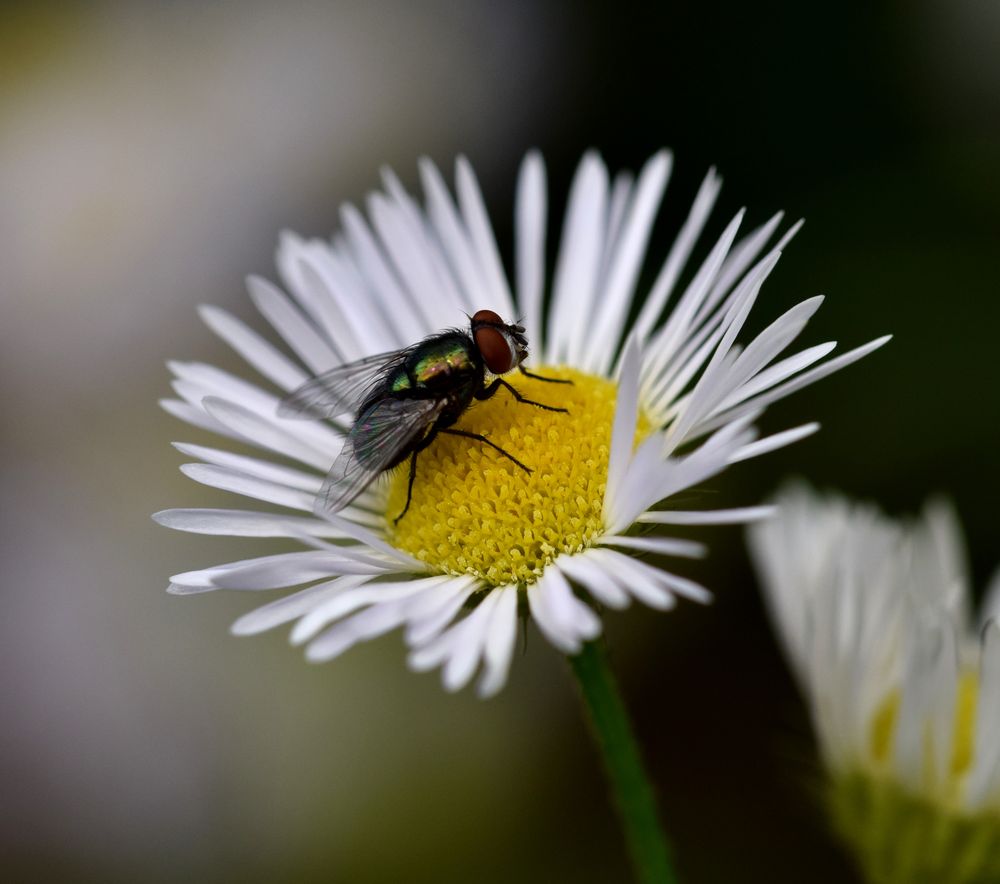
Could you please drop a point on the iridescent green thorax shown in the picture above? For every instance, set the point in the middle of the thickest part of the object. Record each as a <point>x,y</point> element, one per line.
<point>448,358</point>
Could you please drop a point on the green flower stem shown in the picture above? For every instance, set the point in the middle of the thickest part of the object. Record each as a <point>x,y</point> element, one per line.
<point>627,778</point>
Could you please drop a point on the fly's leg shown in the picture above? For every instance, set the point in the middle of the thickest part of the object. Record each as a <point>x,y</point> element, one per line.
<point>500,382</point>
<point>479,437</point>
<point>409,487</point>
<point>538,377</point>
<point>413,473</point>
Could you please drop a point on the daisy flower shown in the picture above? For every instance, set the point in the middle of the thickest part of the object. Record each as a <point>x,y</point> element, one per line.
<point>659,403</point>
<point>904,692</point>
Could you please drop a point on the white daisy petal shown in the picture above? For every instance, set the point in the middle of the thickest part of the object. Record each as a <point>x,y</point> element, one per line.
<point>624,270</point>
<point>623,429</point>
<point>575,285</point>
<point>770,342</point>
<point>253,348</point>
<point>641,581</point>
<point>247,485</point>
<point>454,238</point>
<point>572,615</point>
<point>268,433</point>
<point>379,277</point>
<point>679,254</point>
<point>666,342</point>
<point>984,780</point>
<point>551,628</point>
<point>355,326</point>
<point>470,200</point>
<point>802,380</point>
<point>349,528</point>
<point>709,517</point>
<point>529,225</point>
<point>587,572</point>
<point>379,594</point>
<point>368,624</point>
<point>197,417</point>
<point>430,615</point>
<point>501,637</point>
<point>663,546</point>
<point>253,466</point>
<point>286,319</point>
<point>469,644</point>
<point>618,202</point>
<point>293,606</point>
<point>773,443</point>
<point>417,260</point>
<point>299,263</point>
<point>212,381</point>
<point>243,523</point>
<point>775,374</point>
<point>284,569</point>
<point>710,386</point>
<point>745,251</point>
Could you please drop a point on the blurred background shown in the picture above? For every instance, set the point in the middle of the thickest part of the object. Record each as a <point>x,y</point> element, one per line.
<point>150,153</point>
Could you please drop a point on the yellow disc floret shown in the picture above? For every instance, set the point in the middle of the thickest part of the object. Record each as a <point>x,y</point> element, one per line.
<point>475,512</point>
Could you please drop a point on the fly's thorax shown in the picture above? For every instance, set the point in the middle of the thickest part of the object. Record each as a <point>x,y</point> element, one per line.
<point>444,364</point>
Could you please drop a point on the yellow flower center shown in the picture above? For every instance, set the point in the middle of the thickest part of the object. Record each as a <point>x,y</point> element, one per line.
<point>476,512</point>
<point>963,736</point>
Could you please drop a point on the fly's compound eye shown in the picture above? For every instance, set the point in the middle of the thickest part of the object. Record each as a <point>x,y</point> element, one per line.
<point>496,348</point>
<point>486,316</point>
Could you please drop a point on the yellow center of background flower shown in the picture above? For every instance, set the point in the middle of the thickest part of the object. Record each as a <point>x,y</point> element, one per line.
<point>475,512</point>
<point>963,736</point>
<point>900,836</point>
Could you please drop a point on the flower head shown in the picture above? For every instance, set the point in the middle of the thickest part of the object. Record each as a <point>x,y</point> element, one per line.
<point>904,694</point>
<point>652,410</point>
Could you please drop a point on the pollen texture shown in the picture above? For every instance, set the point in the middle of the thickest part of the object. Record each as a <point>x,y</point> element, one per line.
<point>476,512</point>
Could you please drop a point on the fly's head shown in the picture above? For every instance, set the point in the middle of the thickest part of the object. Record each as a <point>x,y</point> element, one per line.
<point>503,346</point>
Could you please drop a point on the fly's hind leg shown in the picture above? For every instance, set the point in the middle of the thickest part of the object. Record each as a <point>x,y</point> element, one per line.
<point>479,437</point>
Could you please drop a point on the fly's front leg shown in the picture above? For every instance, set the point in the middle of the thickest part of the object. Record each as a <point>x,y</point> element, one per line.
<point>538,377</point>
<point>479,437</point>
<point>500,382</point>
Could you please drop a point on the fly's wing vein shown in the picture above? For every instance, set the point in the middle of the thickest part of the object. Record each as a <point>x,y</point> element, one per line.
<point>376,439</point>
<point>341,389</point>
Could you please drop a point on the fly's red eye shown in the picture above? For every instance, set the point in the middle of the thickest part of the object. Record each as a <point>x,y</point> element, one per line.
<point>495,348</point>
<point>487,316</point>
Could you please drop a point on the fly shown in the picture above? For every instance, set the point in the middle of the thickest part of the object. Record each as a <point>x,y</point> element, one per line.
<point>403,399</point>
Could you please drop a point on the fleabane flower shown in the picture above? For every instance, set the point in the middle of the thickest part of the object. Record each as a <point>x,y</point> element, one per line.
<point>904,692</point>
<point>654,408</point>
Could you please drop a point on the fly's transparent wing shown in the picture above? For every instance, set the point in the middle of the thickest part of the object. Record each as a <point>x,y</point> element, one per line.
<point>340,389</point>
<point>375,441</point>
